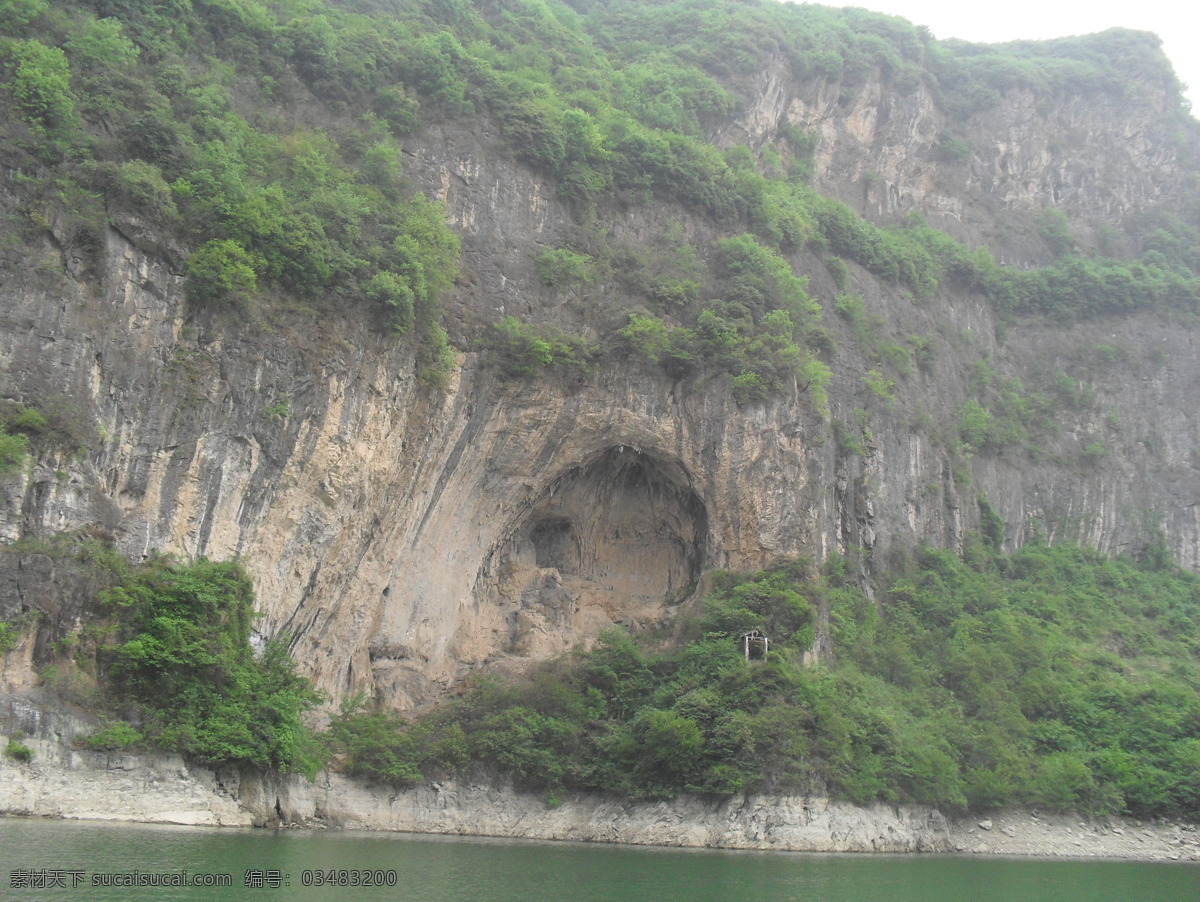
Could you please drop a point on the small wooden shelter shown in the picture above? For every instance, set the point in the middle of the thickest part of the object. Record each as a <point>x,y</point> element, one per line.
<point>755,639</point>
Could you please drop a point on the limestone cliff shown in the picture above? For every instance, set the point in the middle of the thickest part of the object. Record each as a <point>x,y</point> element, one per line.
<point>405,535</point>
<point>1101,155</point>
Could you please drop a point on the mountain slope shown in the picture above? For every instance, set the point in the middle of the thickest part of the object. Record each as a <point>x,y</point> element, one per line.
<point>475,328</point>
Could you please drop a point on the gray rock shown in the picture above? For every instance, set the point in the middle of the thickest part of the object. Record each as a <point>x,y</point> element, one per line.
<point>392,529</point>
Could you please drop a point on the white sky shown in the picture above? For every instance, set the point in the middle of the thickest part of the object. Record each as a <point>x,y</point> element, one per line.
<point>1176,22</point>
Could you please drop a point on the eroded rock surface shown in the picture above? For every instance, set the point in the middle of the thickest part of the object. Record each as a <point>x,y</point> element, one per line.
<point>404,536</point>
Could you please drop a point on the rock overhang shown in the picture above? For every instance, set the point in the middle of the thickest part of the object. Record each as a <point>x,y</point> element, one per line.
<point>617,537</point>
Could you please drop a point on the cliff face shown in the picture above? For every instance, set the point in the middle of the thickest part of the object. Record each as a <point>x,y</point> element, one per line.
<point>404,535</point>
<point>1101,156</point>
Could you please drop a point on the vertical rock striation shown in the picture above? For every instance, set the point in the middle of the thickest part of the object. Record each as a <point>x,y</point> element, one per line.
<point>404,536</point>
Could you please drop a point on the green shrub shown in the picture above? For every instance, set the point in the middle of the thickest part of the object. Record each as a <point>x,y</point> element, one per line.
<point>646,337</point>
<point>15,15</point>
<point>564,268</point>
<point>282,408</point>
<point>850,307</point>
<point>113,737</point>
<point>974,423</point>
<point>28,421</point>
<point>837,271</point>
<point>750,388</point>
<point>8,636</point>
<point>952,149</point>
<point>880,386</point>
<point>18,751</point>
<point>220,272</point>
<point>991,526</point>
<point>141,186</point>
<point>521,350</point>
<point>665,752</point>
<point>389,290</point>
<point>183,656</point>
<point>374,746</point>
<point>57,422</point>
<point>41,95</point>
<point>13,451</point>
<point>1052,228</point>
<point>101,45</point>
<point>894,255</point>
<point>1062,782</point>
<point>536,749</point>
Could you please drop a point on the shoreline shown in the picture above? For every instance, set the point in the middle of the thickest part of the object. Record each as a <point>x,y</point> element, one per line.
<point>1028,833</point>
<point>70,784</point>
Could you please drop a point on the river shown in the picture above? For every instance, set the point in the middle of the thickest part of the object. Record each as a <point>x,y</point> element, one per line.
<point>71,860</point>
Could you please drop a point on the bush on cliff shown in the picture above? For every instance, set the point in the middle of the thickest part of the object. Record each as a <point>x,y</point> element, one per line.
<point>13,451</point>
<point>183,658</point>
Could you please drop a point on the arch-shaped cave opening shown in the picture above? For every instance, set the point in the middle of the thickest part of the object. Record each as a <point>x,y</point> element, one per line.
<point>625,526</point>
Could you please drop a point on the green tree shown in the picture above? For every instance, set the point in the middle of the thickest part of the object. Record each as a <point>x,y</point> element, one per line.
<point>41,92</point>
<point>13,451</point>
<point>184,656</point>
<point>8,637</point>
<point>564,268</point>
<point>15,15</point>
<point>665,752</point>
<point>220,272</point>
<point>102,45</point>
<point>393,292</point>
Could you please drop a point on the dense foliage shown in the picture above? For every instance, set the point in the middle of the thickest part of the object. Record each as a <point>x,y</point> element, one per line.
<point>173,655</point>
<point>264,136</point>
<point>8,637</point>
<point>184,654</point>
<point>171,117</point>
<point>381,747</point>
<point>13,451</point>
<point>1051,677</point>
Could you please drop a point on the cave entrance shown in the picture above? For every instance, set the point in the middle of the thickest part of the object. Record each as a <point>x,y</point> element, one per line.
<point>555,545</point>
<point>626,526</point>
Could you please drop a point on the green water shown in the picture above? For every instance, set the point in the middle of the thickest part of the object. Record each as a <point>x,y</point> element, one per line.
<point>440,868</point>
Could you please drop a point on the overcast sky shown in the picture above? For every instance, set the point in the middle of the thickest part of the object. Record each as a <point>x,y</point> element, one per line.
<point>1176,22</point>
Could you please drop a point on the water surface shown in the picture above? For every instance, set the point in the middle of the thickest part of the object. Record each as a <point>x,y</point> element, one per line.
<point>265,864</point>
